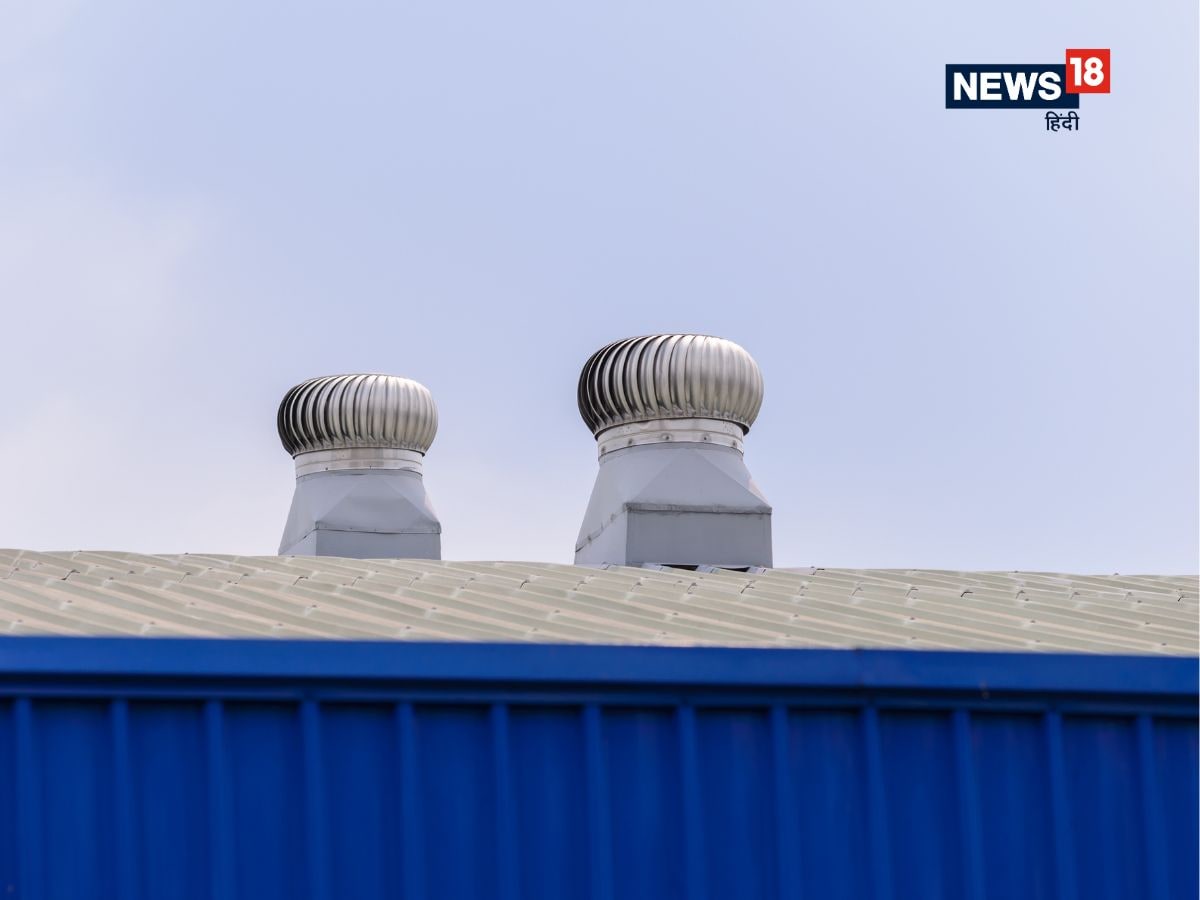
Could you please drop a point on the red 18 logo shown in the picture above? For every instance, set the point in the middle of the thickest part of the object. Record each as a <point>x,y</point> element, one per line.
<point>1088,72</point>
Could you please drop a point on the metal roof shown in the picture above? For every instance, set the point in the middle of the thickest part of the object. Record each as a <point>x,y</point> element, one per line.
<point>103,593</point>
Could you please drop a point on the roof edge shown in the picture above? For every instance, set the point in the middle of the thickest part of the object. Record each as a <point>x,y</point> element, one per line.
<point>982,673</point>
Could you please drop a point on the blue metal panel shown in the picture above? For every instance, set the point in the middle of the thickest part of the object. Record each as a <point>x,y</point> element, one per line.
<point>1009,757</point>
<point>825,762</point>
<point>361,790</point>
<point>547,758</point>
<point>151,769</point>
<point>1176,762</point>
<point>167,763</point>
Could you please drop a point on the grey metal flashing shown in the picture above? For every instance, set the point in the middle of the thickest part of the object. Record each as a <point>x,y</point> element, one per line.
<point>364,514</point>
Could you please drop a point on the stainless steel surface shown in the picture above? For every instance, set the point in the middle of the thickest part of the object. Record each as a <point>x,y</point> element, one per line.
<point>669,376</point>
<point>337,412</point>
<point>660,431</point>
<point>133,594</point>
<point>357,458</point>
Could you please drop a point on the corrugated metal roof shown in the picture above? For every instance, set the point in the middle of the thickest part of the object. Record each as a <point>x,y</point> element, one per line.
<point>101,593</point>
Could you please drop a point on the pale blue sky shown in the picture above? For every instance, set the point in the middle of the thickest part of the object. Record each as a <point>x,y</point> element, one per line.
<point>979,340</point>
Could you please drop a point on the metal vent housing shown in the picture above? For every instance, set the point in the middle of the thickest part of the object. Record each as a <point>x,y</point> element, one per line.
<point>669,376</point>
<point>669,412</point>
<point>342,412</point>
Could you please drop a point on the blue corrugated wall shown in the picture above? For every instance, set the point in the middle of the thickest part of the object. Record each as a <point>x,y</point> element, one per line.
<point>160,769</point>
